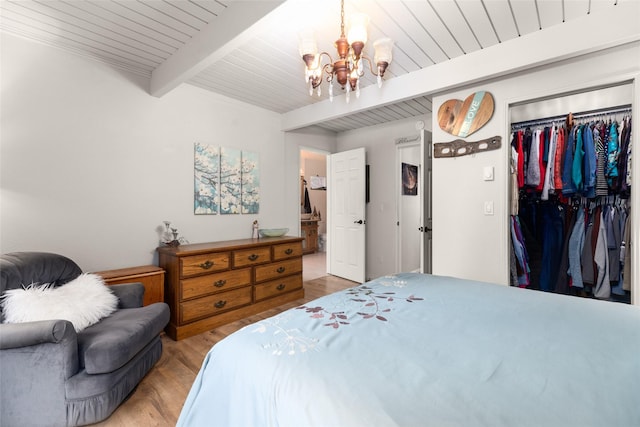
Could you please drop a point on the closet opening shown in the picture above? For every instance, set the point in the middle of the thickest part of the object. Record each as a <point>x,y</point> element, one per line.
<point>570,193</point>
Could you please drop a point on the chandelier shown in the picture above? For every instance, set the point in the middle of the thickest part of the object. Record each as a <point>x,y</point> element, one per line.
<point>348,68</point>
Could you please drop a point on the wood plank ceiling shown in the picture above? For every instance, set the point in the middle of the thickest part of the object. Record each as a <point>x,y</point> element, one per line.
<point>266,70</point>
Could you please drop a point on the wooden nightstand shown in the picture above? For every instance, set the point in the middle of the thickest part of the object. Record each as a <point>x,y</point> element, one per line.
<point>150,276</point>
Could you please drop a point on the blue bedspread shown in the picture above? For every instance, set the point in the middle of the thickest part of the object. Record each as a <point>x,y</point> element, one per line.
<point>421,350</point>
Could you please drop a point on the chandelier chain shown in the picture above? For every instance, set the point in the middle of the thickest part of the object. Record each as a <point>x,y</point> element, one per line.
<point>341,18</point>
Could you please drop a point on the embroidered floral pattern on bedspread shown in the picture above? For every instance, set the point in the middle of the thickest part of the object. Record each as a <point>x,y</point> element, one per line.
<point>374,304</point>
<point>362,302</point>
<point>289,341</point>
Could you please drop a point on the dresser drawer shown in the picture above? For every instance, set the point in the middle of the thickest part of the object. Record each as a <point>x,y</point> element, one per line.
<point>251,256</point>
<point>277,287</point>
<point>213,304</point>
<point>212,283</point>
<point>287,250</point>
<point>278,269</point>
<point>199,264</point>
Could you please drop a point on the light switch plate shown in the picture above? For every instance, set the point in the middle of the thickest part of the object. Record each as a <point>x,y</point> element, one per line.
<point>488,208</point>
<point>487,173</point>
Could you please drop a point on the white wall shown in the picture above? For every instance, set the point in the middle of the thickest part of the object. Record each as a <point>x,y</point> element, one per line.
<point>466,243</point>
<point>91,164</point>
<point>379,143</point>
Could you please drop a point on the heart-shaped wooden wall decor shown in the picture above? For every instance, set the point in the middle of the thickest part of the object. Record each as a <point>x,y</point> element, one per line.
<point>462,118</point>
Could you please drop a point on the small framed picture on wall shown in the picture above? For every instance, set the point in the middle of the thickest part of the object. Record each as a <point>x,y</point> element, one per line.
<point>409,179</point>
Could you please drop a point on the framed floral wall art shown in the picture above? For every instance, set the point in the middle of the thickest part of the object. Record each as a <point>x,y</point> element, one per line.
<point>227,181</point>
<point>230,180</point>
<point>206,167</point>
<point>250,183</point>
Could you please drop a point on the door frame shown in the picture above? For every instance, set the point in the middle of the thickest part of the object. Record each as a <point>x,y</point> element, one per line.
<point>403,143</point>
<point>425,183</point>
<point>426,202</point>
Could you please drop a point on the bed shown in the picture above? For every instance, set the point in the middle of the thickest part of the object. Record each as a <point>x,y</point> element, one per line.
<point>425,350</point>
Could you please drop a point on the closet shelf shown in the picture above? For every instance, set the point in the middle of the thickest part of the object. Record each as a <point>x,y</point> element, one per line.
<point>577,116</point>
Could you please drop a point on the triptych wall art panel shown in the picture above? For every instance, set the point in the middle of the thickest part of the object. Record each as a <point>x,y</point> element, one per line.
<point>250,183</point>
<point>227,180</point>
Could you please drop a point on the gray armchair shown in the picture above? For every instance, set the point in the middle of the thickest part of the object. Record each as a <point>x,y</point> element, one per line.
<point>51,375</point>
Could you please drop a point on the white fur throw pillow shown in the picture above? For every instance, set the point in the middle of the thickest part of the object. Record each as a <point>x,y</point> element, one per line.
<point>83,301</point>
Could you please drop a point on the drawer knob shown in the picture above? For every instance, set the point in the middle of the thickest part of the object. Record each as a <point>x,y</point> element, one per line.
<point>220,304</point>
<point>289,251</point>
<point>253,257</point>
<point>219,283</point>
<point>280,286</point>
<point>281,269</point>
<point>206,265</point>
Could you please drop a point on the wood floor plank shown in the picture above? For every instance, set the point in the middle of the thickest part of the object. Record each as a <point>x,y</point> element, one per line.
<point>159,397</point>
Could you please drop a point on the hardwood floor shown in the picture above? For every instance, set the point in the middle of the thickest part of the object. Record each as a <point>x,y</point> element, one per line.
<point>161,394</point>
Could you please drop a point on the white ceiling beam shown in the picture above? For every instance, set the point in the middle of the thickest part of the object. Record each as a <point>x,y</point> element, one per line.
<point>570,39</point>
<point>241,21</point>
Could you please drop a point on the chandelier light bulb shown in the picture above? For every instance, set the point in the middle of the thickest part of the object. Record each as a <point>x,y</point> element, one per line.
<point>307,43</point>
<point>382,48</point>
<point>358,23</point>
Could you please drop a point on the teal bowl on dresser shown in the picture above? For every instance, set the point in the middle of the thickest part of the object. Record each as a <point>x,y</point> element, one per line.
<point>273,232</point>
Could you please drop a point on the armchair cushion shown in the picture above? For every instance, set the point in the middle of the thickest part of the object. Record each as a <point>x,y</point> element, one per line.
<point>111,343</point>
<point>131,295</point>
<point>20,268</point>
<point>83,301</point>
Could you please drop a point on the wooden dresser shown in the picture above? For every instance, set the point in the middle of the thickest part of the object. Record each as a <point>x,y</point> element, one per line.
<point>210,284</point>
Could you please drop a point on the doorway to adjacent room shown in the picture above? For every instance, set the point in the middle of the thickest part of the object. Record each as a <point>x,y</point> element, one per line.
<point>313,211</point>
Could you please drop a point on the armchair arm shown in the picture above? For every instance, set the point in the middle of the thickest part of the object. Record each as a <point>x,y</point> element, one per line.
<point>129,294</point>
<point>14,335</point>
<point>36,360</point>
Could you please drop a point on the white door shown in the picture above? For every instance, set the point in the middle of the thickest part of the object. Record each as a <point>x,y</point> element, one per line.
<point>414,234</point>
<point>426,179</point>
<point>346,192</point>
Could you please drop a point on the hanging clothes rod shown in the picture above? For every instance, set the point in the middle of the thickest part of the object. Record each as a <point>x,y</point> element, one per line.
<point>576,116</point>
